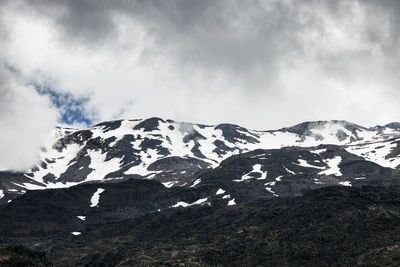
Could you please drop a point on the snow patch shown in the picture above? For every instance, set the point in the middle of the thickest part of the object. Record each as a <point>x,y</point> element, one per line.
<point>304,163</point>
<point>184,204</point>
<point>319,151</point>
<point>269,189</point>
<point>96,197</point>
<point>30,186</point>
<point>169,184</point>
<point>196,183</point>
<point>289,171</point>
<point>220,191</point>
<point>333,166</point>
<point>231,202</point>
<point>61,162</point>
<point>270,183</point>
<point>345,183</point>
<point>256,169</point>
<point>100,166</point>
<point>377,152</point>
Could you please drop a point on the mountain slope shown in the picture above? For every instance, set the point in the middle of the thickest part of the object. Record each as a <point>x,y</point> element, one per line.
<point>330,226</point>
<point>176,153</point>
<point>159,192</point>
<point>56,215</point>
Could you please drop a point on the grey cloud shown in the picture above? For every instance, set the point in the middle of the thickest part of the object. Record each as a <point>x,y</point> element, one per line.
<point>250,50</point>
<point>233,36</point>
<point>221,35</point>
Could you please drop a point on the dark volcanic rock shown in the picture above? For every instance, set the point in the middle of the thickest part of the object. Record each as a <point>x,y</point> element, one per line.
<point>78,137</point>
<point>123,149</point>
<point>109,125</point>
<point>393,125</point>
<point>79,170</point>
<point>177,163</point>
<point>9,184</point>
<point>154,144</point>
<point>234,133</point>
<point>49,178</point>
<point>304,129</point>
<point>395,152</point>
<point>221,149</point>
<point>193,136</point>
<point>21,256</point>
<point>149,124</point>
<point>39,219</point>
<point>364,168</point>
<point>333,226</point>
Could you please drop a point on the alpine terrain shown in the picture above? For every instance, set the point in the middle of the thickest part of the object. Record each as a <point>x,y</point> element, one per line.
<point>160,192</point>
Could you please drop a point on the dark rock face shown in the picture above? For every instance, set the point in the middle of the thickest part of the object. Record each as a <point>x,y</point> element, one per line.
<point>341,135</point>
<point>109,125</point>
<point>196,151</point>
<point>40,219</point>
<point>306,127</point>
<point>154,144</point>
<point>332,226</point>
<point>393,125</point>
<point>123,149</point>
<point>222,149</point>
<point>78,137</point>
<point>193,136</point>
<point>79,171</point>
<point>395,152</point>
<point>177,164</point>
<point>49,178</point>
<point>21,256</point>
<point>149,124</point>
<point>11,185</point>
<point>364,168</point>
<point>235,133</point>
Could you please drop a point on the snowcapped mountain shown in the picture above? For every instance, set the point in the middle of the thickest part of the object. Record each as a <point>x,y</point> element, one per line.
<point>132,178</point>
<point>178,153</point>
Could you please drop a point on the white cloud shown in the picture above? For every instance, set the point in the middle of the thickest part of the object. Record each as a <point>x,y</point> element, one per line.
<point>263,65</point>
<point>26,120</point>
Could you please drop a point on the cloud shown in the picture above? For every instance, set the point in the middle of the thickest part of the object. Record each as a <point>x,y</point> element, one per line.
<point>26,120</point>
<point>261,64</point>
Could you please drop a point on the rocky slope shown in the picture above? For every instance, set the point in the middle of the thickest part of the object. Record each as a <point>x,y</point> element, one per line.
<point>330,226</point>
<point>175,153</point>
<point>159,192</point>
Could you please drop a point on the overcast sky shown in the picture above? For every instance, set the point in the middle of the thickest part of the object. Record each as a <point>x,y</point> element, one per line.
<point>260,64</point>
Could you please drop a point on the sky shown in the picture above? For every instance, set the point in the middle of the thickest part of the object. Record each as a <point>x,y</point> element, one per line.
<point>260,64</point>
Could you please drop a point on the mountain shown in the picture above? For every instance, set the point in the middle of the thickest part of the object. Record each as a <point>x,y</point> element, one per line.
<point>175,153</point>
<point>158,192</point>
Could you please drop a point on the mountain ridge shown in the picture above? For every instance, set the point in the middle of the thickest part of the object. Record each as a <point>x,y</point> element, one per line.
<point>173,152</point>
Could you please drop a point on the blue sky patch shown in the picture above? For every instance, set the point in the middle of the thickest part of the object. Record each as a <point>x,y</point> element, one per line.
<point>72,109</point>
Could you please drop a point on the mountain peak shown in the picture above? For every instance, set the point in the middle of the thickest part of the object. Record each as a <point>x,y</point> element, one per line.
<point>393,125</point>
